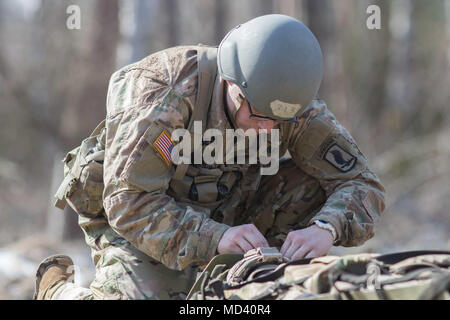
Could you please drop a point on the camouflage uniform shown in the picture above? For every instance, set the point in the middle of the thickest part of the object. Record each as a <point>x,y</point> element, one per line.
<point>152,235</point>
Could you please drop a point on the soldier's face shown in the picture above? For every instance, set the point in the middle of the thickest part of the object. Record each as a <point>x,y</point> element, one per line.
<point>246,116</point>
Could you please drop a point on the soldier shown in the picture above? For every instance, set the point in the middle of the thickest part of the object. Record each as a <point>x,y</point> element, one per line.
<point>161,221</point>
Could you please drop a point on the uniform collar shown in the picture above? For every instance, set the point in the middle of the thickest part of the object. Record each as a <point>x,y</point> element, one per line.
<point>218,116</point>
<point>231,117</point>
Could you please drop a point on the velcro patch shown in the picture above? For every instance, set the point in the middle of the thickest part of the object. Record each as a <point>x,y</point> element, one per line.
<point>339,158</point>
<point>284,109</point>
<point>164,146</point>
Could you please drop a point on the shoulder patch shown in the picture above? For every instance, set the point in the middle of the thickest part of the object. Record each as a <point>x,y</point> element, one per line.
<point>164,145</point>
<point>339,158</point>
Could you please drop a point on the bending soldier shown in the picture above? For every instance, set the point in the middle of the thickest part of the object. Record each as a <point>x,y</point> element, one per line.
<point>160,221</point>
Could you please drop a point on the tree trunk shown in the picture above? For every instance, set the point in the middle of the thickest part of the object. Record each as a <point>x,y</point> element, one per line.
<point>287,7</point>
<point>170,10</point>
<point>86,105</point>
<point>322,22</point>
<point>219,21</point>
<point>146,24</point>
<point>398,76</point>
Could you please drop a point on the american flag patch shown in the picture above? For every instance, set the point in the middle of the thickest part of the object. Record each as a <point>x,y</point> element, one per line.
<point>164,145</point>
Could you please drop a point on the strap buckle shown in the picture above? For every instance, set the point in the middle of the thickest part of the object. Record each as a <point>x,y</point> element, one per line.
<point>265,254</point>
<point>252,259</point>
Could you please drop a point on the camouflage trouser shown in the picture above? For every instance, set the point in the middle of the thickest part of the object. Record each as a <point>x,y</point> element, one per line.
<point>283,202</point>
<point>123,272</point>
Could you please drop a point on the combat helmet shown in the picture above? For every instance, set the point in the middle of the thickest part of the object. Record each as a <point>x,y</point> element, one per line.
<point>277,63</point>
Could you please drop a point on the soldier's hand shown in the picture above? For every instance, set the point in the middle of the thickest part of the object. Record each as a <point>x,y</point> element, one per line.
<point>240,239</point>
<point>310,242</point>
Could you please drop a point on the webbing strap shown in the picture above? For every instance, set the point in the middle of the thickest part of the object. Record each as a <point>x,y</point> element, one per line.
<point>393,258</point>
<point>60,201</point>
<point>207,71</point>
<point>98,129</point>
<point>228,259</point>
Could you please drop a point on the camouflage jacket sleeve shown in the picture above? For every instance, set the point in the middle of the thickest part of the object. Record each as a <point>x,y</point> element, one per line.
<point>324,149</point>
<point>142,105</point>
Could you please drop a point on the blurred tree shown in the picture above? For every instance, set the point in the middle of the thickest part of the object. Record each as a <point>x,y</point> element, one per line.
<point>220,16</point>
<point>264,7</point>
<point>288,7</point>
<point>87,102</point>
<point>323,22</point>
<point>398,82</point>
<point>85,105</point>
<point>170,10</point>
<point>145,25</point>
<point>428,56</point>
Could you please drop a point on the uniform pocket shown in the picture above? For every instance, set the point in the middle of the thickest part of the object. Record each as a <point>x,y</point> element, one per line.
<point>145,168</point>
<point>85,191</point>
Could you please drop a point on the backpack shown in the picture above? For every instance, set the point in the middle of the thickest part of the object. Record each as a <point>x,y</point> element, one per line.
<point>263,274</point>
<point>82,187</point>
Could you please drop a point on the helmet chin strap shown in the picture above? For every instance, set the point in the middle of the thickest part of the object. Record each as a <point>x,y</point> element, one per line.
<point>233,93</point>
<point>235,110</point>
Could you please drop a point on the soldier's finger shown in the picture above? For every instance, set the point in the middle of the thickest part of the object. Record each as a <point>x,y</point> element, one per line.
<point>255,240</point>
<point>301,253</point>
<point>284,247</point>
<point>233,248</point>
<point>244,244</point>
<point>291,250</point>
<point>313,254</point>
<point>236,249</point>
<point>258,237</point>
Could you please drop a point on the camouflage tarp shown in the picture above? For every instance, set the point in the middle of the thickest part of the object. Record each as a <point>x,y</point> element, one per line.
<point>262,274</point>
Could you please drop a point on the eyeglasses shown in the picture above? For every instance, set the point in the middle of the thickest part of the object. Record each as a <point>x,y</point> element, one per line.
<point>264,118</point>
